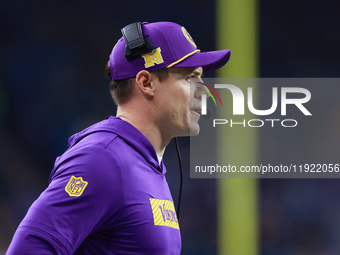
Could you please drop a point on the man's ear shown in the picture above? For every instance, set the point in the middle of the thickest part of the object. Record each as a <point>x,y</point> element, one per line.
<point>144,82</point>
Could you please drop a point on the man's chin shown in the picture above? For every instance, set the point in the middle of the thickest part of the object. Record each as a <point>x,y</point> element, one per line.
<point>194,129</point>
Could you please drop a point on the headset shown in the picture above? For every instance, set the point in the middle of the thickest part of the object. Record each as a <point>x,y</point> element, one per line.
<point>136,45</point>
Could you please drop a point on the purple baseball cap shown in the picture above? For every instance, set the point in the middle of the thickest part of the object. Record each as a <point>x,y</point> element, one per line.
<point>174,47</point>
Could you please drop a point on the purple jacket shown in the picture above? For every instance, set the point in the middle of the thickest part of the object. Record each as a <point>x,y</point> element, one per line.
<point>107,194</point>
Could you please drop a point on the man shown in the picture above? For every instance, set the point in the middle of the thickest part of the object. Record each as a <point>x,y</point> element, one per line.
<point>108,193</point>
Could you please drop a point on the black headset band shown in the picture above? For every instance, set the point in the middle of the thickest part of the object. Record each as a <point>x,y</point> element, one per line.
<point>136,43</point>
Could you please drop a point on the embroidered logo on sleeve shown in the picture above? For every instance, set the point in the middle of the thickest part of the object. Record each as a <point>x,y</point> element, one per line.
<point>75,186</point>
<point>164,213</point>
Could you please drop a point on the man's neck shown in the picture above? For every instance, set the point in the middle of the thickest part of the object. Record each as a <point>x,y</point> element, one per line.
<point>148,128</point>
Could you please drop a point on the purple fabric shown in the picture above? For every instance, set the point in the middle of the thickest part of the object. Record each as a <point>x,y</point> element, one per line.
<point>113,214</point>
<point>174,44</point>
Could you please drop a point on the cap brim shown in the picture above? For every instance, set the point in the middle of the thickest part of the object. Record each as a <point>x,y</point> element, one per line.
<point>210,60</point>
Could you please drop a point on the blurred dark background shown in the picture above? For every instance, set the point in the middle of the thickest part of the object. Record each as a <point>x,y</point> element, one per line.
<point>52,84</point>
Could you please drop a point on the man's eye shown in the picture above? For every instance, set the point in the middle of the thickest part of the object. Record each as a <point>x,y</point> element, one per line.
<point>191,78</point>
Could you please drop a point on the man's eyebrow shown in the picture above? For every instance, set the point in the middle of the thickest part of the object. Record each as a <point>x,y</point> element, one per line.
<point>197,73</point>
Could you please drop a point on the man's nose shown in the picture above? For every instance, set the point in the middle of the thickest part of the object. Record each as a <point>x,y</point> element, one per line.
<point>201,88</point>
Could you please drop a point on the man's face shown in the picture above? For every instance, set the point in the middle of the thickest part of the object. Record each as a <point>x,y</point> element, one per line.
<point>181,102</point>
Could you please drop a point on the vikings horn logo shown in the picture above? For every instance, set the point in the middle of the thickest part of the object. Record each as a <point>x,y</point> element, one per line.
<point>188,36</point>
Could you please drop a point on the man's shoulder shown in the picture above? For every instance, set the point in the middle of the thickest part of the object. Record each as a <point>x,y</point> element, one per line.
<point>112,143</point>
